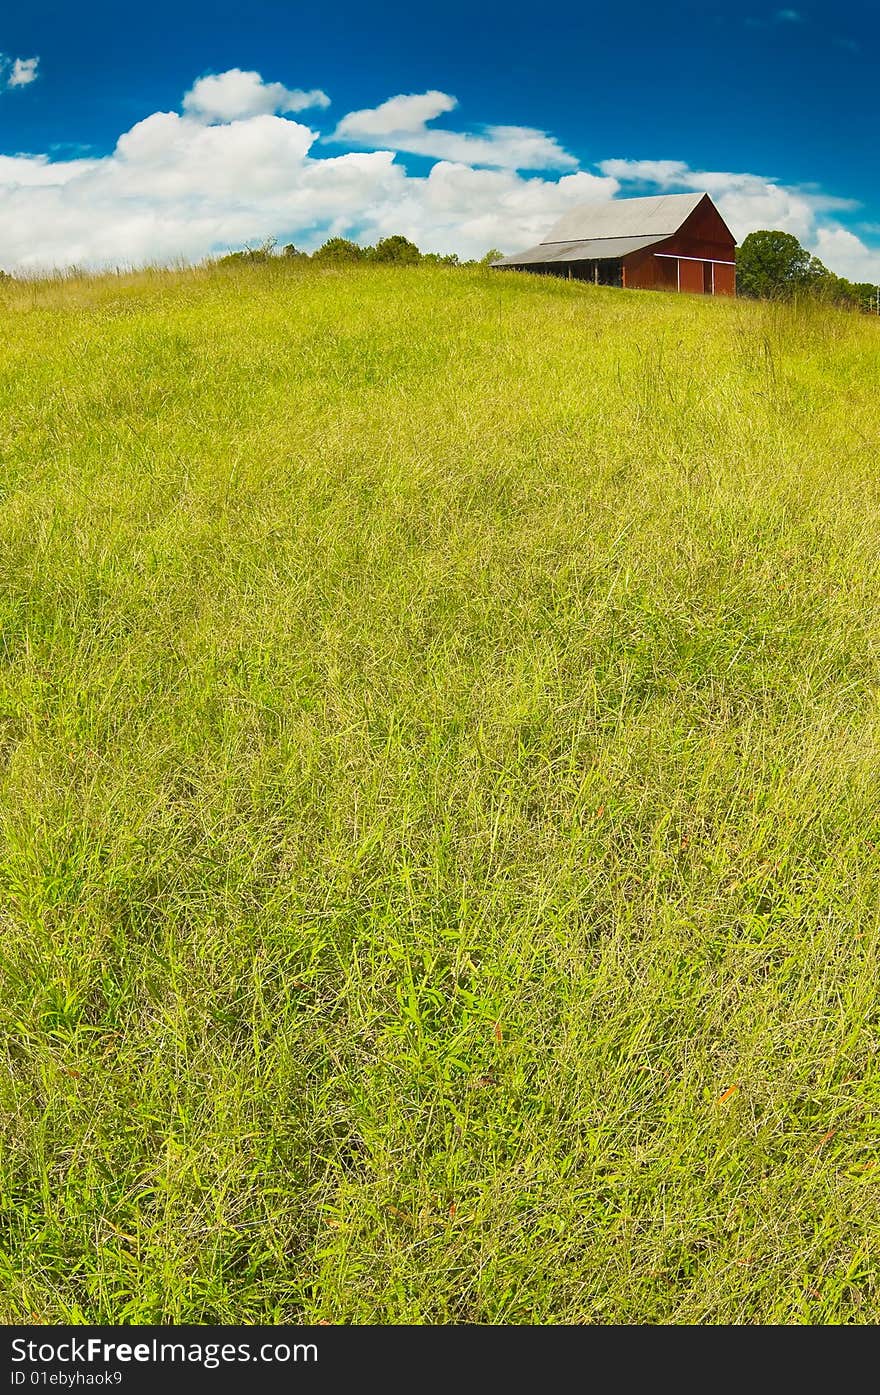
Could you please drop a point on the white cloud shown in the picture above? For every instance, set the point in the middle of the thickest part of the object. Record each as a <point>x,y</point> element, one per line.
<point>665,173</point>
<point>174,187</point>
<point>235,94</point>
<point>187,185</point>
<point>401,124</point>
<point>17,72</point>
<point>26,171</point>
<point>24,71</point>
<point>459,208</point>
<point>403,113</point>
<point>843,252</point>
<point>192,184</point>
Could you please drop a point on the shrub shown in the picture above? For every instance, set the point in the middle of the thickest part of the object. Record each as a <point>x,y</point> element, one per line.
<point>397,250</point>
<point>440,259</point>
<point>339,251</point>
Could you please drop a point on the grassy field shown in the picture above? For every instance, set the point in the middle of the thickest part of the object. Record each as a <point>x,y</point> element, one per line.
<point>439,802</point>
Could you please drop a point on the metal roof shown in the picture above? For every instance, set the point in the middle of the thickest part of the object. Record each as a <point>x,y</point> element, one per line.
<point>594,231</point>
<point>590,249</point>
<point>658,216</point>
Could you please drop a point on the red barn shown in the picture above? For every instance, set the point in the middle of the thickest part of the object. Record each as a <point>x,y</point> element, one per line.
<point>671,242</point>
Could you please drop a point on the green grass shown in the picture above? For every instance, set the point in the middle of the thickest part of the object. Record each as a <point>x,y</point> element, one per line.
<point>439,802</point>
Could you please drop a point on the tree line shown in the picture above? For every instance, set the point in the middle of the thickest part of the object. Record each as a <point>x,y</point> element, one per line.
<point>774,266</point>
<point>341,251</point>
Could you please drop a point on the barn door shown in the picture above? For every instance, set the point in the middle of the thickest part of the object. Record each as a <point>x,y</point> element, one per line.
<point>708,278</point>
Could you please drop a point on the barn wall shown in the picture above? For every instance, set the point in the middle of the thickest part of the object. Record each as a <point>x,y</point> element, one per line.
<point>700,248</point>
<point>703,235</point>
<point>725,280</point>
<point>643,271</point>
<point>690,276</point>
<point>637,272</point>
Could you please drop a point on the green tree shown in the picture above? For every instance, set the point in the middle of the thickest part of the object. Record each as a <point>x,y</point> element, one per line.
<point>493,255</point>
<point>771,265</point>
<point>396,249</point>
<point>440,259</point>
<point>865,296</point>
<point>291,251</point>
<point>339,251</point>
<point>774,265</point>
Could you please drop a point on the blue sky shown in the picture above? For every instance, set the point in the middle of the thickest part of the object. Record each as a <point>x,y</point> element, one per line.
<point>774,109</point>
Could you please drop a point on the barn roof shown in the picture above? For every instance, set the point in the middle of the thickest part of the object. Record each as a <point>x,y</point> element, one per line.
<point>589,249</point>
<point>595,231</point>
<point>658,216</point>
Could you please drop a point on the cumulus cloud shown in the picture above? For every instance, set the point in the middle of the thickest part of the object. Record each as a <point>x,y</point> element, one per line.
<point>25,171</point>
<point>236,93</point>
<point>467,210</point>
<point>17,72</point>
<point>229,169</point>
<point>401,124</point>
<point>846,254</point>
<point>179,186</point>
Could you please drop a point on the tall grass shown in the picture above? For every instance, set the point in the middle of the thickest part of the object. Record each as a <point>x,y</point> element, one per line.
<point>439,802</point>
